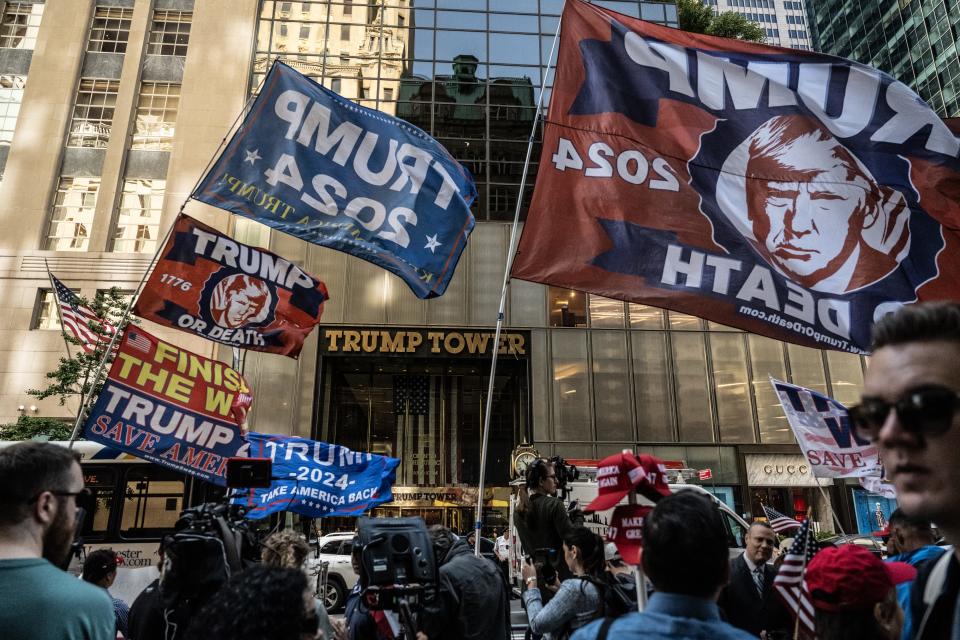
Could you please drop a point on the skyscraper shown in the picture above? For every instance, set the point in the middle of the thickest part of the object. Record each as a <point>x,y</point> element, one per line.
<point>915,42</point>
<point>783,21</point>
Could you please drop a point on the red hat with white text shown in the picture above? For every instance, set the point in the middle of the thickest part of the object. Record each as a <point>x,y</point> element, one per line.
<point>617,475</point>
<point>626,530</point>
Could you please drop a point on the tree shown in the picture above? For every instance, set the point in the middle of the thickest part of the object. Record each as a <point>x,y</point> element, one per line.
<point>36,428</point>
<point>696,17</point>
<point>74,375</point>
<point>731,24</point>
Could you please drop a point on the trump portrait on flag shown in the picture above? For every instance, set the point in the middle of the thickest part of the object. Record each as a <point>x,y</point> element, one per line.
<point>813,211</point>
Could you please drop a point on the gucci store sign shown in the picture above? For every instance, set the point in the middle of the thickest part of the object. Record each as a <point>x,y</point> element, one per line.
<point>778,470</point>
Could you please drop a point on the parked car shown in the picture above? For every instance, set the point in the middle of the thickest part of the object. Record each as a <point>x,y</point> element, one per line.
<point>870,543</point>
<point>334,549</point>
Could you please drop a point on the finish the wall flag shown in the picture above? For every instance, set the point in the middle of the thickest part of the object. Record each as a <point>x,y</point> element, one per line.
<point>170,406</point>
<point>789,193</point>
<point>313,164</point>
<point>320,479</point>
<point>209,284</point>
<point>825,435</point>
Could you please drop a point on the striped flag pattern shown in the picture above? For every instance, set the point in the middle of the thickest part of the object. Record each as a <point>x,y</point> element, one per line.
<point>77,316</point>
<point>789,583</point>
<point>778,521</point>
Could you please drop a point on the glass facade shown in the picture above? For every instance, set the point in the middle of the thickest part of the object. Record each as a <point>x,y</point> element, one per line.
<point>603,374</point>
<point>915,42</point>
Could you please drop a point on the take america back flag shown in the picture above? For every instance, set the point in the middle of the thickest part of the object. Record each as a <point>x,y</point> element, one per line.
<point>77,317</point>
<point>785,192</point>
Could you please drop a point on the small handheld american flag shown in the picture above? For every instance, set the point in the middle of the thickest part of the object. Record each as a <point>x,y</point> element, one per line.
<point>778,521</point>
<point>789,583</point>
<point>77,316</point>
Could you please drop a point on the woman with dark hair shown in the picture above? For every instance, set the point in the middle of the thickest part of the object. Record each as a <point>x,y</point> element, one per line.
<point>541,518</point>
<point>100,568</point>
<point>261,603</point>
<point>579,599</point>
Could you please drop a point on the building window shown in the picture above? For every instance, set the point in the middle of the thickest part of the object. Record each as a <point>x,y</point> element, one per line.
<point>45,316</point>
<point>568,308</point>
<point>93,113</point>
<point>335,84</point>
<point>20,24</point>
<point>111,30</point>
<point>72,216</point>
<point>345,32</point>
<point>348,7</point>
<point>156,116</point>
<point>169,33</point>
<point>11,95</point>
<point>138,224</point>
<point>388,93</point>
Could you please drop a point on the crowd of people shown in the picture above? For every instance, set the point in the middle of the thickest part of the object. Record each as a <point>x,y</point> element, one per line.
<point>574,585</point>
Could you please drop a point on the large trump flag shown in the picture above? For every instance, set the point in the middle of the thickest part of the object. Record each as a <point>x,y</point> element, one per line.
<point>789,193</point>
<point>313,164</point>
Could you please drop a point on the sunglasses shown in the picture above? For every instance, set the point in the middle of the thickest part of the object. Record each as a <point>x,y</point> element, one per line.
<point>927,411</point>
<point>82,495</point>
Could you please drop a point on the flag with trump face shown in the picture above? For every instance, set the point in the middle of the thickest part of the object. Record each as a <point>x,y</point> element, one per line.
<point>785,192</point>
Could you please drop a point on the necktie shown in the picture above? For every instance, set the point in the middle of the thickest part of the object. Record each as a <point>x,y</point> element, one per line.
<point>758,579</point>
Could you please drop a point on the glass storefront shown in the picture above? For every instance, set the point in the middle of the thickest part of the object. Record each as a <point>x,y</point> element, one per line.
<point>421,396</point>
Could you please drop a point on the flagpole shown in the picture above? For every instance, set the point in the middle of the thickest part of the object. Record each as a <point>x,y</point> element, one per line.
<point>503,295</point>
<point>829,504</point>
<point>56,303</point>
<point>146,273</point>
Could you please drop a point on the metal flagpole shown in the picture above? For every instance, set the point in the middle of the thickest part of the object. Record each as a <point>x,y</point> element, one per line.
<point>146,272</point>
<point>503,295</point>
<point>829,504</point>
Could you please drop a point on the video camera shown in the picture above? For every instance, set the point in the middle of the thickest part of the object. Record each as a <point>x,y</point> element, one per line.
<point>566,473</point>
<point>397,560</point>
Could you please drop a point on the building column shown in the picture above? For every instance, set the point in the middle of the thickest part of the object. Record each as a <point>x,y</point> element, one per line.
<point>34,161</point>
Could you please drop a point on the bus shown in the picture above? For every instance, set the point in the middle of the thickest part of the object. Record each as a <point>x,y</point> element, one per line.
<point>134,503</point>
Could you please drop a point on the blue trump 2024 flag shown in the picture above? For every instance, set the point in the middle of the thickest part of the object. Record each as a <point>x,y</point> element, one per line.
<point>313,164</point>
<point>320,479</point>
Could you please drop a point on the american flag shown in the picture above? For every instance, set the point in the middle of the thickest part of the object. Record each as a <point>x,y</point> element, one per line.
<point>77,316</point>
<point>789,583</point>
<point>138,341</point>
<point>778,521</point>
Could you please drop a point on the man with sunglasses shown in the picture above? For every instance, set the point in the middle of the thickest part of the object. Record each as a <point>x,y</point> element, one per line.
<point>910,409</point>
<point>39,487</point>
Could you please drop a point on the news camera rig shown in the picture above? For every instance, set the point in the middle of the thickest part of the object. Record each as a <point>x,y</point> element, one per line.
<point>398,564</point>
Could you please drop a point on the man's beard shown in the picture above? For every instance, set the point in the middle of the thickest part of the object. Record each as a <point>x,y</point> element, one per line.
<point>58,539</point>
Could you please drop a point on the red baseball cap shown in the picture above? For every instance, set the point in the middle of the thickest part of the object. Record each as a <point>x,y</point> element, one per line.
<point>851,577</point>
<point>653,486</point>
<point>626,530</point>
<point>617,475</point>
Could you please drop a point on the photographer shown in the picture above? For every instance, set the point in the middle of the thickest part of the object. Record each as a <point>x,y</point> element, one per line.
<point>542,520</point>
<point>578,600</point>
<point>473,600</point>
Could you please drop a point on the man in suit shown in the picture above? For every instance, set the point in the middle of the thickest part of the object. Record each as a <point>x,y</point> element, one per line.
<point>748,601</point>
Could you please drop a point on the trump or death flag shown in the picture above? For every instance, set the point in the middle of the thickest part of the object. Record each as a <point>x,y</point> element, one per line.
<point>319,479</point>
<point>169,406</point>
<point>826,435</point>
<point>313,164</point>
<point>789,193</point>
<point>211,285</point>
